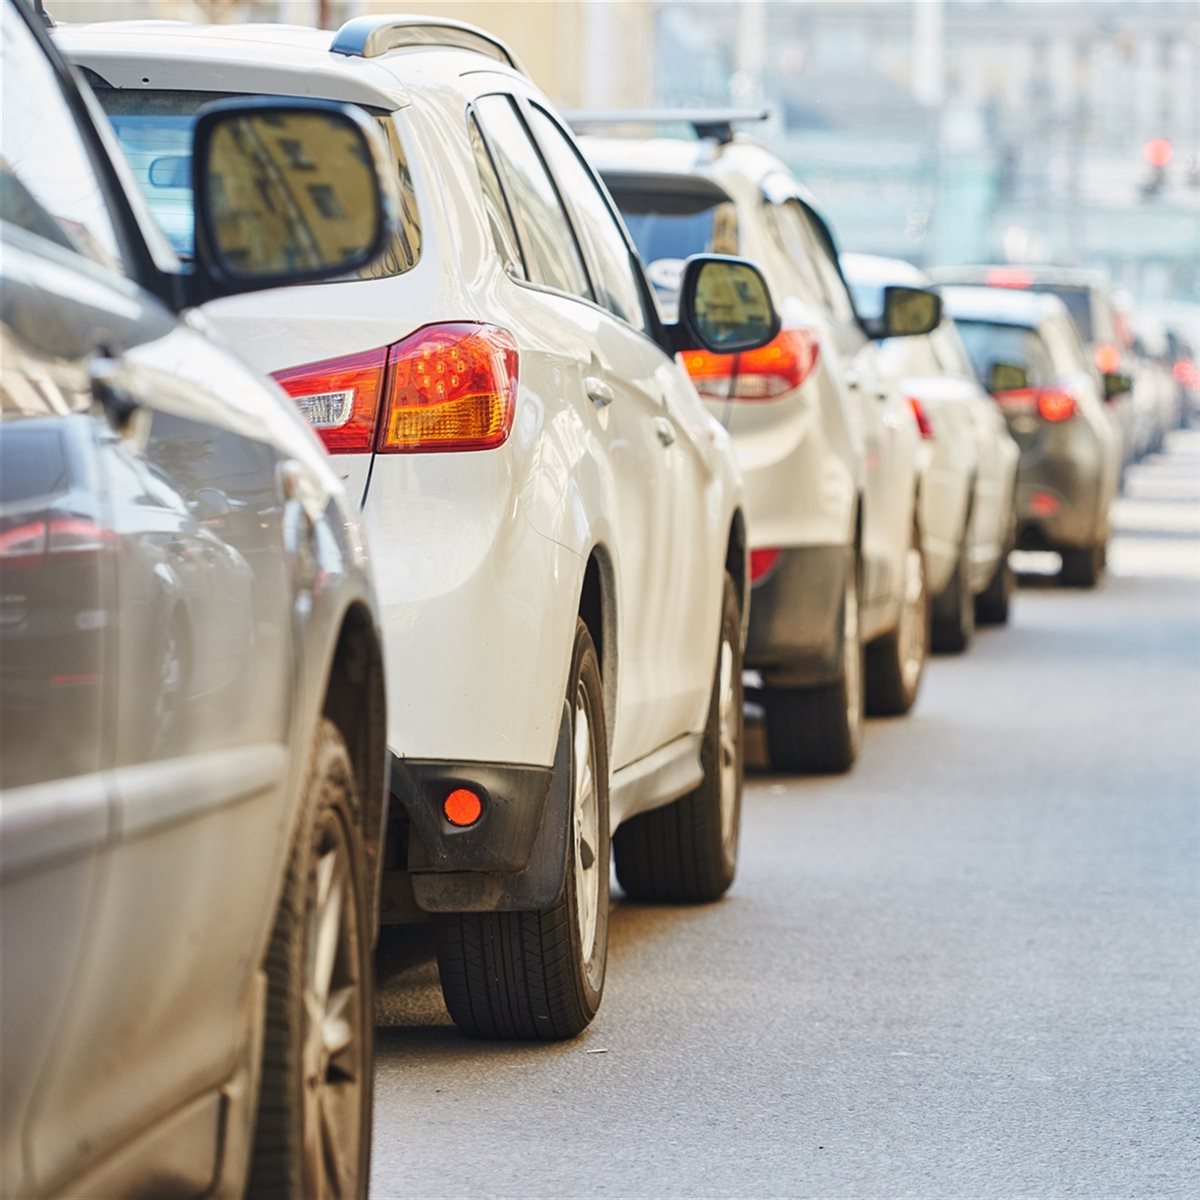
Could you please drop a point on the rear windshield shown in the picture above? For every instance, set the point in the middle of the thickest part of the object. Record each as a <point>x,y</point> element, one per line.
<point>668,227</point>
<point>32,464</point>
<point>154,128</point>
<point>1016,345</point>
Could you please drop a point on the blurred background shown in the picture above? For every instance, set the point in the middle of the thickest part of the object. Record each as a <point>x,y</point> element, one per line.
<point>934,130</point>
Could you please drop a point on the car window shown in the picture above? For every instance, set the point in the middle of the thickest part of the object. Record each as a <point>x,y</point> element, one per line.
<point>612,264</point>
<point>48,182</point>
<point>1017,345</point>
<point>837,297</point>
<point>552,256</point>
<point>949,351</point>
<point>669,226</point>
<point>500,221</point>
<point>154,128</point>
<point>795,238</point>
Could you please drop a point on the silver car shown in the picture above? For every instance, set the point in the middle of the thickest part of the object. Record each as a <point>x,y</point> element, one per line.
<point>191,698</point>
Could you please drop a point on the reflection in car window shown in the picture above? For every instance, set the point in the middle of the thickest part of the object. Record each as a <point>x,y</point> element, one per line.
<point>610,257</point>
<point>669,225</point>
<point>551,254</point>
<point>504,233</point>
<point>48,184</point>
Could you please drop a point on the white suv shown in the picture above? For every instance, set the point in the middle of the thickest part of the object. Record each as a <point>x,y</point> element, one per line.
<point>827,445</point>
<point>556,522</point>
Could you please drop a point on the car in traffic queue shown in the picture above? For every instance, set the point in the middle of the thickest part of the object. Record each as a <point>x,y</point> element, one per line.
<point>192,750</point>
<point>1028,355</point>
<point>827,445</point>
<point>968,467</point>
<point>558,522</point>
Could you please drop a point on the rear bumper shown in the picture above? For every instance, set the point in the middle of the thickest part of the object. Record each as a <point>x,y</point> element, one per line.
<point>795,635</point>
<point>1076,521</point>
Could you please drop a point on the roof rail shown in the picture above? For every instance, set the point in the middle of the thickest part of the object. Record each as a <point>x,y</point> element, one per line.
<point>715,124</point>
<point>368,37</point>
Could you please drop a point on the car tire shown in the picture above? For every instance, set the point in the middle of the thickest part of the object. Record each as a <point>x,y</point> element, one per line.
<point>954,610</point>
<point>540,975</point>
<point>686,852</point>
<point>819,729</point>
<point>895,662</point>
<point>1082,568</point>
<point>315,1095</point>
<point>994,604</point>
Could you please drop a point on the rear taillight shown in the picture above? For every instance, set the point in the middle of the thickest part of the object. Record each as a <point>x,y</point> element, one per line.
<point>1184,372</point>
<point>1051,404</point>
<point>924,424</point>
<point>762,563</point>
<point>1107,358</point>
<point>26,545</point>
<point>783,364</point>
<point>340,398</point>
<point>447,387</point>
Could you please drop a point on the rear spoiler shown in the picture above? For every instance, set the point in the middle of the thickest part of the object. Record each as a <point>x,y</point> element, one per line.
<point>708,124</point>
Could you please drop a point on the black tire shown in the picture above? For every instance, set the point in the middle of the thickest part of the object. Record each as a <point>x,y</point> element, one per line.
<point>954,610</point>
<point>892,682</point>
<point>327,849</point>
<point>994,604</point>
<point>1082,568</point>
<point>819,729</point>
<point>686,852</point>
<point>526,975</point>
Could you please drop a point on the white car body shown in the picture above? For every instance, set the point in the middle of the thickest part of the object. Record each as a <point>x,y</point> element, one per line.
<point>613,476</point>
<point>969,461</point>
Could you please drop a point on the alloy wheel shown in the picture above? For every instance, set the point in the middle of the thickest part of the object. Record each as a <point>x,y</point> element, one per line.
<point>587,834</point>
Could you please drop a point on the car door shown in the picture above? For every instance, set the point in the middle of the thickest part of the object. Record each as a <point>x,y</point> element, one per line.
<point>683,617</point>
<point>162,994</point>
<point>572,338</point>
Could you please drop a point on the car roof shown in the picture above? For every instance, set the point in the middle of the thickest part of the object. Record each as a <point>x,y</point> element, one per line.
<point>177,56</point>
<point>1001,306</point>
<point>1018,275</point>
<point>875,269</point>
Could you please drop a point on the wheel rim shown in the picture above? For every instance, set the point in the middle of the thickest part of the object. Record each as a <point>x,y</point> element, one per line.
<point>852,654</point>
<point>587,832</point>
<point>332,1055</point>
<point>729,720</point>
<point>912,619</point>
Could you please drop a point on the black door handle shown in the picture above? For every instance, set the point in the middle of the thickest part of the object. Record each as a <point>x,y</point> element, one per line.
<point>108,391</point>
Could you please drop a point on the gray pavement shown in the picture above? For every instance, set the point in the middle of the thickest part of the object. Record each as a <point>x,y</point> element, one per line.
<point>969,969</point>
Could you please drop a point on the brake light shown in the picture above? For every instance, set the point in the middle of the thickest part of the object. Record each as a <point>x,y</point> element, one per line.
<point>762,563</point>
<point>447,387</point>
<point>1107,358</point>
<point>451,387</point>
<point>26,544</point>
<point>340,398</point>
<point>1055,404</point>
<point>783,364</point>
<point>924,424</point>
<point>1184,372</point>
<point>1008,277</point>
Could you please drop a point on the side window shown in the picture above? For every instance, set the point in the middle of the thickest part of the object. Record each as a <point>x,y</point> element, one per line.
<point>793,237</point>
<point>949,351</point>
<point>48,184</point>
<point>611,260</point>
<point>504,233</point>
<point>551,254</point>
<point>840,303</point>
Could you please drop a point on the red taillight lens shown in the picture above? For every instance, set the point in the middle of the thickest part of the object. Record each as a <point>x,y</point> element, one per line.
<point>26,545</point>
<point>1184,372</point>
<point>1055,404</point>
<point>1009,277</point>
<point>924,424</point>
<point>1107,358</point>
<point>762,563</point>
<point>340,398</point>
<point>772,370</point>
<point>451,387</point>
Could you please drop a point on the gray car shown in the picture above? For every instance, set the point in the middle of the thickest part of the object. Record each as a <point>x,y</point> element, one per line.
<point>191,698</point>
<point>1029,356</point>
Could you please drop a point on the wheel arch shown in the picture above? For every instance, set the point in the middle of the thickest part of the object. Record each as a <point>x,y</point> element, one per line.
<point>736,563</point>
<point>598,611</point>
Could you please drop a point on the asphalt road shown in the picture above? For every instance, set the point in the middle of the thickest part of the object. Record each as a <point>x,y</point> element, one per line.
<point>969,969</point>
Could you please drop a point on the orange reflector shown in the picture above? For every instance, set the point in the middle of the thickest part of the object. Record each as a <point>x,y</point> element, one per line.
<point>463,807</point>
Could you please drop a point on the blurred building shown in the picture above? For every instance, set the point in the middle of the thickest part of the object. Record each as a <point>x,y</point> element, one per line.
<point>973,129</point>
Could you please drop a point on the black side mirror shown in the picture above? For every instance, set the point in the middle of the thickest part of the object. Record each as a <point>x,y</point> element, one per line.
<point>1116,384</point>
<point>286,192</point>
<point>1006,377</point>
<point>907,312</point>
<point>725,306</point>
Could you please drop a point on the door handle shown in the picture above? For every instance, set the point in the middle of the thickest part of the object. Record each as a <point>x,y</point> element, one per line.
<point>600,394</point>
<point>664,430</point>
<point>109,392</point>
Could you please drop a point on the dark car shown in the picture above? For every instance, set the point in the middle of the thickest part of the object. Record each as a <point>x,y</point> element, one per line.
<point>1029,356</point>
<point>191,703</point>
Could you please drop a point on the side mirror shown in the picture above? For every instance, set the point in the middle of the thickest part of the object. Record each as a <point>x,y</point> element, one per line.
<point>286,192</point>
<point>907,312</point>
<point>725,306</point>
<point>1006,377</point>
<point>1116,384</point>
<point>210,504</point>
